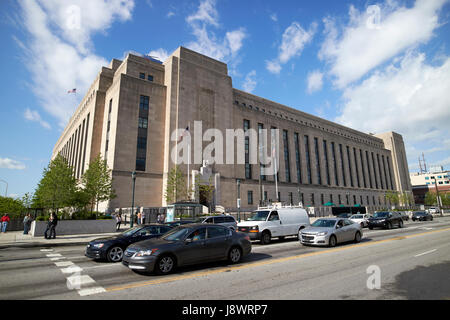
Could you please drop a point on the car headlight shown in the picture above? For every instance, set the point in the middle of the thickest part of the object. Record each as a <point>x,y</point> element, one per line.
<point>98,245</point>
<point>322,233</point>
<point>145,253</point>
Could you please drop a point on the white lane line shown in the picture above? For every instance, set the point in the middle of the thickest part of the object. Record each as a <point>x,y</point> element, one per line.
<point>53,255</point>
<point>64,264</point>
<point>46,250</point>
<point>89,291</point>
<point>76,281</point>
<point>56,259</point>
<point>71,269</point>
<point>421,254</point>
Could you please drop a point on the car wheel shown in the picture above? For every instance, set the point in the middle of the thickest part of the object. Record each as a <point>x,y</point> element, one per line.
<point>332,241</point>
<point>265,237</point>
<point>115,254</point>
<point>357,237</point>
<point>400,224</point>
<point>299,233</point>
<point>388,225</point>
<point>362,224</point>
<point>235,255</point>
<point>165,264</point>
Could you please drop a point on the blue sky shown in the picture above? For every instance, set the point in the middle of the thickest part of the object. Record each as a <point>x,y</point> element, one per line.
<point>374,66</point>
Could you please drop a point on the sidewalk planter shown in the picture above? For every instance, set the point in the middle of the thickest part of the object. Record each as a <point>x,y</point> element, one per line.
<point>69,227</point>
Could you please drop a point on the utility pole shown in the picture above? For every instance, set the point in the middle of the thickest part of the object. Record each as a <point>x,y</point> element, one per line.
<point>133,177</point>
<point>437,196</point>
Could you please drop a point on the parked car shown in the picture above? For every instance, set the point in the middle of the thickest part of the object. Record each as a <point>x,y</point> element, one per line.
<point>362,219</point>
<point>266,223</point>
<point>177,223</point>
<point>331,231</point>
<point>433,210</point>
<point>385,219</point>
<point>344,215</point>
<point>187,244</point>
<point>112,248</point>
<point>224,220</point>
<point>421,216</point>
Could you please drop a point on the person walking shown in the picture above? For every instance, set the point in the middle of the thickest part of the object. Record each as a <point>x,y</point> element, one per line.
<point>4,222</point>
<point>139,216</point>
<point>51,225</point>
<point>27,223</point>
<point>118,221</point>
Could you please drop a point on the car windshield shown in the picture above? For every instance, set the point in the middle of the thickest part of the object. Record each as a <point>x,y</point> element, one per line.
<point>259,216</point>
<point>419,213</point>
<point>131,231</point>
<point>323,223</point>
<point>381,214</point>
<point>356,216</point>
<point>176,234</point>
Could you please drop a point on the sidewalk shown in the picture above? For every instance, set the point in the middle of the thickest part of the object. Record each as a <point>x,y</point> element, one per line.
<point>18,239</point>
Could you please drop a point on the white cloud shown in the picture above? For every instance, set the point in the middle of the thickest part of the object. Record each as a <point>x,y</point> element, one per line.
<point>160,54</point>
<point>32,115</point>
<point>274,17</point>
<point>60,39</point>
<point>250,81</point>
<point>315,81</point>
<point>7,163</point>
<point>206,41</point>
<point>410,97</point>
<point>293,41</point>
<point>374,36</point>
<point>170,14</point>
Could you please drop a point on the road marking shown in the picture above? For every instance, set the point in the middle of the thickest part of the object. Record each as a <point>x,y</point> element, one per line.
<point>421,254</point>
<point>46,250</point>
<point>71,269</point>
<point>76,281</point>
<point>56,259</point>
<point>262,263</point>
<point>53,255</point>
<point>90,291</point>
<point>64,264</point>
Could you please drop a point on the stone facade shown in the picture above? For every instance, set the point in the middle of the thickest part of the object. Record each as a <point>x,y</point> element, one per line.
<point>190,87</point>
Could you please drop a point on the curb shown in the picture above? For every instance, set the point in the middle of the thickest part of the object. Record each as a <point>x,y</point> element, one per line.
<point>41,244</point>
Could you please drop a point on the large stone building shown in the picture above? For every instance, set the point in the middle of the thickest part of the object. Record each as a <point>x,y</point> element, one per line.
<point>133,107</point>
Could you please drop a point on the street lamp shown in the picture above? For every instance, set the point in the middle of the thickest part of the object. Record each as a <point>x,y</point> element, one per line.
<point>6,191</point>
<point>238,181</point>
<point>133,177</point>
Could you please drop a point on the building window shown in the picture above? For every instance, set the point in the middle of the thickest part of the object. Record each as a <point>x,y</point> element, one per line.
<point>327,169</point>
<point>312,199</point>
<point>287,169</point>
<point>140,164</point>
<point>354,199</point>
<point>427,178</point>
<point>331,198</point>
<point>374,172</point>
<point>143,123</point>
<point>265,195</point>
<point>379,172</point>
<point>339,199</point>
<point>250,197</point>
<point>322,198</point>
<point>316,148</point>
<point>150,78</point>
<point>291,198</point>
<point>342,165</point>
<point>362,167</point>
<point>333,154</point>
<point>142,75</point>
<point>356,167</point>
<point>248,166</point>
<point>262,152</point>
<point>347,198</point>
<point>349,166</point>
<point>297,157</point>
<point>142,142</point>
<point>368,169</point>
<point>144,102</point>
<point>308,160</point>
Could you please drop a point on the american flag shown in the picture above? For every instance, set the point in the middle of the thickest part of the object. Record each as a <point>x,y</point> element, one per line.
<point>72,91</point>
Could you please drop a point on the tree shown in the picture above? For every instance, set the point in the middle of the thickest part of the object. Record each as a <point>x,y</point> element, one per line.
<point>392,197</point>
<point>57,186</point>
<point>205,192</point>
<point>176,188</point>
<point>10,205</point>
<point>97,183</point>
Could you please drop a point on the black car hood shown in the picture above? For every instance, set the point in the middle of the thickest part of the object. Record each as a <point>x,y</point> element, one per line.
<point>151,243</point>
<point>376,219</point>
<point>106,239</point>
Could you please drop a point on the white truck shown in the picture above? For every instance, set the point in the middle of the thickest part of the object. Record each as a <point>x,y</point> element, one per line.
<point>275,221</point>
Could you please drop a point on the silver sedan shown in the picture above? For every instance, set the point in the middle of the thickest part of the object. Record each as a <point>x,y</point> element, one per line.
<point>331,231</point>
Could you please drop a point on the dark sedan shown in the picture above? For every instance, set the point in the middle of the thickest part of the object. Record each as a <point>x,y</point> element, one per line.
<point>385,219</point>
<point>187,244</point>
<point>421,216</point>
<point>112,248</point>
<point>177,223</point>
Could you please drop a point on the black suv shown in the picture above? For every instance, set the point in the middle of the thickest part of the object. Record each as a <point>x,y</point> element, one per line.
<point>385,219</point>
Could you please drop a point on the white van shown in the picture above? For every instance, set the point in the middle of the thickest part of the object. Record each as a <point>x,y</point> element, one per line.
<point>278,221</point>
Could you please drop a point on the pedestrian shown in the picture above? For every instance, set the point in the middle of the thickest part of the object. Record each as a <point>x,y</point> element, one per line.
<point>27,223</point>
<point>51,225</point>
<point>118,221</point>
<point>139,216</point>
<point>143,217</point>
<point>4,222</point>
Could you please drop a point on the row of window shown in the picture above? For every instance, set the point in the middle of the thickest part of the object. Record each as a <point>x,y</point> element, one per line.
<point>438,177</point>
<point>141,151</point>
<point>375,166</point>
<point>439,182</point>
<point>74,151</point>
<point>312,199</point>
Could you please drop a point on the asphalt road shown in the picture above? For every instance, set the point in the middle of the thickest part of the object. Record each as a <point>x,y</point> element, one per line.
<point>412,263</point>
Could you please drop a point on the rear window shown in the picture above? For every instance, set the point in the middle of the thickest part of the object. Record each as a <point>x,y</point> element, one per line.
<point>216,232</point>
<point>219,220</point>
<point>229,219</point>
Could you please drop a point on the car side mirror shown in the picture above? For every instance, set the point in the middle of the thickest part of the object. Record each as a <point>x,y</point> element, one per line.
<point>338,227</point>
<point>188,240</point>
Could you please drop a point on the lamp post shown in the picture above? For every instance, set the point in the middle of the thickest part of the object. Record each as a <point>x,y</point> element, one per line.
<point>299,196</point>
<point>238,181</point>
<point>133,177</point>
<point>6,191</point>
